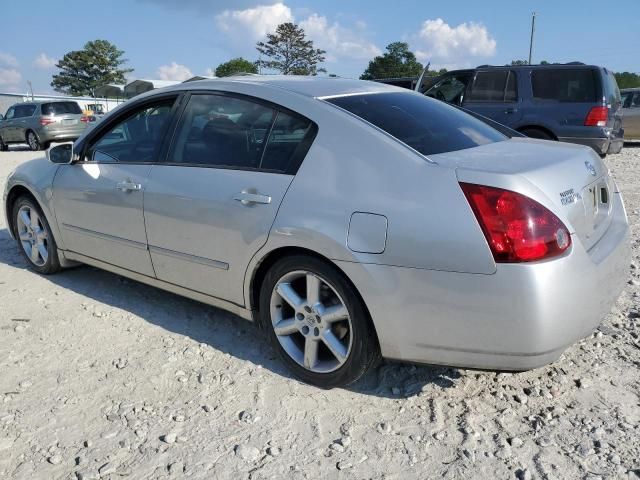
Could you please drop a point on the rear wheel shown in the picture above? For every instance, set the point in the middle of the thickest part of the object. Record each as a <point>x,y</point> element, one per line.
<point>537,133</point>
<point>34,237</point>
<point>317,322</point>
<point>33,141</point>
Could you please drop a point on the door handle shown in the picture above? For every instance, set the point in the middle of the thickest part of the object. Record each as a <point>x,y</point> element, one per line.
<point>249,198</point>
<point>128,186</point>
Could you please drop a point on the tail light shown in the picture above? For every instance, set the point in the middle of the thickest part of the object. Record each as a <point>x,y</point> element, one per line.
<point>44,121</point>
<point>85,119</point>
<point>597,117</point>
<point>517,228</point>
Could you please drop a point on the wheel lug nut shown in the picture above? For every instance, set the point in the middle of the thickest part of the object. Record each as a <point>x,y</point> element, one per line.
<point>318,319</point>
<point>316,331</point>
<point>305,330</point>
<point>300,316</point>
<point>307,309</point>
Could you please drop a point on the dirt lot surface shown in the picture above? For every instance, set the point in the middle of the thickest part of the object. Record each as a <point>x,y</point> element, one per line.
<point>102,377</point>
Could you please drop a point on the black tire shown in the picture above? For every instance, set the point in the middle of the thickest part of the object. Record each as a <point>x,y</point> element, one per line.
<point>34,143</point>
<point>364,352</point>
<point>3,146</point>
<point>536,133</point>
<point>52,263</point>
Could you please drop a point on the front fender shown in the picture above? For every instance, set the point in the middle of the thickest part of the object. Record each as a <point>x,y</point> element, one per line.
<point>36,177</point>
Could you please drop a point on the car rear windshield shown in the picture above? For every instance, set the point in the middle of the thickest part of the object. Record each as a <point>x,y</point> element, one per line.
<point>575,85</point>
<point>426,125</point>
<point>61,108</point>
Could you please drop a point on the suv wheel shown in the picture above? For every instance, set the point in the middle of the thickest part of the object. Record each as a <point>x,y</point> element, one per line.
<point>3,146</point>
<point>34,237</point>
<point>32,140</point>
<point>536,133</point>
<point>317,322</point>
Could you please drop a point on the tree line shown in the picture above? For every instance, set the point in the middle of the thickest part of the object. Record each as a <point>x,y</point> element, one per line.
<point>286,51</point>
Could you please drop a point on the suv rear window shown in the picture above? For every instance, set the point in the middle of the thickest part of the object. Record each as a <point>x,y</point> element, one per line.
<point>61,108</point>
<point>426,125</point>
<point>576,85</point>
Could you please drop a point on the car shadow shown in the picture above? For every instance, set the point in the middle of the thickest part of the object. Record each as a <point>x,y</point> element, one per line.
<point>632,144</point>
<point>217,328</point>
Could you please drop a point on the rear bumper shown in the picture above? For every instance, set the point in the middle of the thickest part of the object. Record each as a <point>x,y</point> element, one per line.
<point>600,145</point>
<point>522,317</point>
<point>61,134</point>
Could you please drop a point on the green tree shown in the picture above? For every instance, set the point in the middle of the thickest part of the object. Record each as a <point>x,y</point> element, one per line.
<point>289,52</point>
<point>627,79</point>
<point>397,61</point>
<point>82,71</point>
<point>235,66</point>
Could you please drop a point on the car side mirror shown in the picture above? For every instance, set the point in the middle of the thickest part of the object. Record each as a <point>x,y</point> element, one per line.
<point>61,154</point>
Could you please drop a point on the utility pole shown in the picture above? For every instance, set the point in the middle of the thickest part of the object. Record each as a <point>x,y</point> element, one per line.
<point>533,29</point>
<point>30,88</point>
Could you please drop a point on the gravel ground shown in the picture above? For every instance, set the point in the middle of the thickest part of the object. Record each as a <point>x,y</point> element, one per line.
<point>102,377</point>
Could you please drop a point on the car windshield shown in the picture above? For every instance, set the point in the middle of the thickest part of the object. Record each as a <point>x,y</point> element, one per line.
<point>426,125</point>
<point>61,108</point>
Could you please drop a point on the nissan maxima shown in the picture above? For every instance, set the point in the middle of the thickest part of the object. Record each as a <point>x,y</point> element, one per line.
<point>351,220</point>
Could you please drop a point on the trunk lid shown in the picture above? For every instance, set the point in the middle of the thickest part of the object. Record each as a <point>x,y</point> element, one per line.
<point>573,178</point>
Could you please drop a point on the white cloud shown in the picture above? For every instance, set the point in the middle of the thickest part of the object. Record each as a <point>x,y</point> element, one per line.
<point>8,60</point>
<point>459,46</point>
<point>253,24</point>
<point>10,77</point>
<point>246,27</point>
<point>174,71</point>
<point>44,62</point>
<point>337,40</point>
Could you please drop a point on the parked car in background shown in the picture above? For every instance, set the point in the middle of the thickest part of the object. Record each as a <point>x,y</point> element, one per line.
<point>631,113</point>
<point>573,103</point>
<point>39,123</point>
<point>350,219</point>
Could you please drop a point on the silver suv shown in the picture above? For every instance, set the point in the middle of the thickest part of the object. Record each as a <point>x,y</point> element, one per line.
<point>40,123</point>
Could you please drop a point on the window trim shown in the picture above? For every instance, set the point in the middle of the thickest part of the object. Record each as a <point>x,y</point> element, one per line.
<point>101,129</point>
<point>469,97</point>
<point>292,168</point>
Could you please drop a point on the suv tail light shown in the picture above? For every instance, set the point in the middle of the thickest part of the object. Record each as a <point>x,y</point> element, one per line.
<point>517,228</point>
<point>85,119</point>
<point>44,121</point>
<point>597,117</point>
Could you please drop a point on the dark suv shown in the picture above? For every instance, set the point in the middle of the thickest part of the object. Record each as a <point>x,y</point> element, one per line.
<point>574,102</point>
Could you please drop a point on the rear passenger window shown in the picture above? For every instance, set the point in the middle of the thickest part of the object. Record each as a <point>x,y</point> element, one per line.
<point>230,132</point>
<point>289,140</point>
<point>23,111</point>
<point>572,85</point>
<point>494,86</point>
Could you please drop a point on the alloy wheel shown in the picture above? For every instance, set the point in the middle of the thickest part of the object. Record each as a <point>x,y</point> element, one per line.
<point>33,236</point>
<point>311,321</point>
<point>32,140</point>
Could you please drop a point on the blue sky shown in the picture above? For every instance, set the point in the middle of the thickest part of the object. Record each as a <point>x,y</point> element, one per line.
<point>173,39</point>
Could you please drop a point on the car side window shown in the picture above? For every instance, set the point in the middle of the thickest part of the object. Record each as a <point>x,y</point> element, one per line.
<point>137,138</point>
<point>10,113</point>
<point>222,131</point>
<point>635,102</point>
<point>450,89</point>
<point>573,85</point>
<point>288,143</point>
<point>496,86</point>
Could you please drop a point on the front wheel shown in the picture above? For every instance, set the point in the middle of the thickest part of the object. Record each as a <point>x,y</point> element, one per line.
<point>317,322</point>
<point>34,237</point>
<point>33,141</point>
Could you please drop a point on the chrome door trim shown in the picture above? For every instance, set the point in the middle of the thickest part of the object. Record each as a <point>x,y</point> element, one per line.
<point>104,236</point>
<point>189,258</point>
<point>238,310</point>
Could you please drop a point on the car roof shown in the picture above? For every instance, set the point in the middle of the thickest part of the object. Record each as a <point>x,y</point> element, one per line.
<point>310,86</point>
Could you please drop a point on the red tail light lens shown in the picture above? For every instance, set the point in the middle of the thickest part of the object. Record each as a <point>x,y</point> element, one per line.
<point>597,117</point>
<point>85,119</point>
<point>44,121</point>
<point>517,228</point>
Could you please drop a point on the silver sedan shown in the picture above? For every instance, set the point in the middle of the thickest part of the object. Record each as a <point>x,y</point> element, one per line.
<point>350,220</point>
